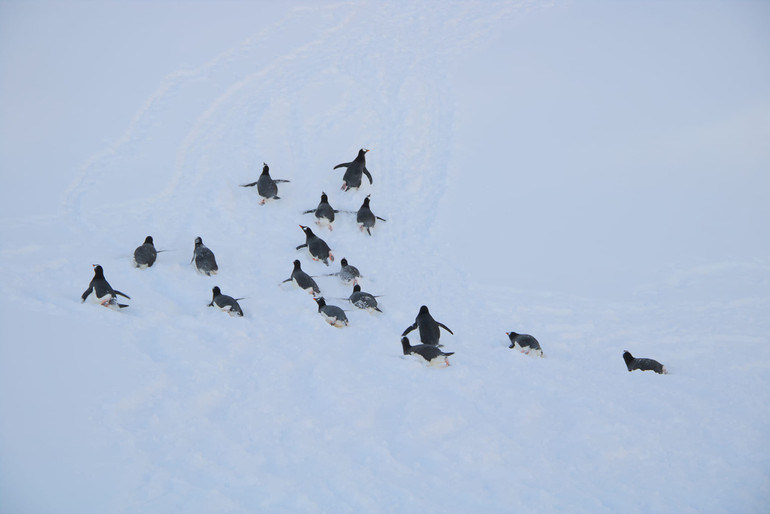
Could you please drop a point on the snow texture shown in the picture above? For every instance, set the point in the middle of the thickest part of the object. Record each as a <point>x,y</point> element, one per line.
<point>593,174</point>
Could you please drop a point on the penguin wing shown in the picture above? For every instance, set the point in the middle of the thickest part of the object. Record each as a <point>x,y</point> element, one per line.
<point>279,180</point>
<point>309,211</point>
<point>121,294</point>
<point>381,219</point>
<point>87,292</point>
<point>344,164</point>
<point>250,185</point>
<point>303,245</point>
<point>368,175</point>
<point>445,327</point>
<point>409,329</point>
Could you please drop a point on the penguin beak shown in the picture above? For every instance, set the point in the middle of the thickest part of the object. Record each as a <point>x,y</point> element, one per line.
<point>366,150</point>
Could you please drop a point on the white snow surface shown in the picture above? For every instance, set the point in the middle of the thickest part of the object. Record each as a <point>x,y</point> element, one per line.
<point>594,174</point>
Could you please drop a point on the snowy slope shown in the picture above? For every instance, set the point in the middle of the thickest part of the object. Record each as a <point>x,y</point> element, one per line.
<point>170,406</point>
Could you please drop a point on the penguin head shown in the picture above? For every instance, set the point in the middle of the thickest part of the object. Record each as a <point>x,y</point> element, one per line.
<point>424,310</point>
<point>98,271</point>
<point>320,301</point>
<point>324,198</point>
<point>216,291</point>
<point>148,240</point>
<point>362,153</point>
<point>511,336</point>
<point>628,357</point>
<point>265,168</point>
<point>297,264</point>
<point>366,201</point>
<point>405,345</point>
<point>198,242</point>
<point>306,230</point>
<point>344,262</point>
<point>356,288</point>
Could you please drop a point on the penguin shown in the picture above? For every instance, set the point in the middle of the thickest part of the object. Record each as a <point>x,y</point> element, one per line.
<point>145,255</point>
<point>366,218</point>
<point>333,315</point>
<point>317,247</point>
<point>101,291</point>
<point>352,177</point>
<point>303,280</point>
<point>347,273</point>
<point>225,303</point>
<point>526,343</point>
<point>633,363</point>
<point>432,355</point>
<point>429,327</point>
<point>205,262</point>
<point>324,213</point>
<point>363,300</point>
<point>266,186</point>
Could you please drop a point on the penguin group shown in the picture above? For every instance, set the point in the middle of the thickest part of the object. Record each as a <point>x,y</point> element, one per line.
<point>429,351</point>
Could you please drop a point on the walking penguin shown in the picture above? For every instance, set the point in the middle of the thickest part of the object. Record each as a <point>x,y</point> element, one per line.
<point>352,177</point>
<point>101,291</point>
<point>366,218</point>
<point>145,255</point>
<point>429,327</point>
<point>303,280</point>
<point>317,247</point>
<point>204,259</point>
<point>324,213</point>
<point>266,186</point>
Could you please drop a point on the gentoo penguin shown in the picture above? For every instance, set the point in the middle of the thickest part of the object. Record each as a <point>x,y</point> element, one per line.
<point>431,354</point>
<point>204,259</point>
<point>225,303</point>
<point>366,218</point>
<point>333,315</point>
<point>317,247</point>
<point>101,291</point>
<point>633,363</point>
<point>266,186</point>
<point>352,177</point>
<point>144,255</point>
<point>324,213</point>
<point>363,300</point>
<point>526,343</point>
<point>347,273</point>
<point>303,280</point>
<point>429,332</point>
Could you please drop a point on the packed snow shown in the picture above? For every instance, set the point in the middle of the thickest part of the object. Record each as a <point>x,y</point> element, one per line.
<point>592,174</point>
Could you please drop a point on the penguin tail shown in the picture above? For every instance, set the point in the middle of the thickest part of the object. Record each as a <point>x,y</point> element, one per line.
<point>368,231</point>
<point>377,309</point>
<point>122,305</point>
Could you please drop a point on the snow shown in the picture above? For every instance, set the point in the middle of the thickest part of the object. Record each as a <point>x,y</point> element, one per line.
<point>593,174</point>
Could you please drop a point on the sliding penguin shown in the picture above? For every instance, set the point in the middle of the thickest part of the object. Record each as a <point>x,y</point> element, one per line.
<point>347,273</point>
<point>352,177</point>
<point>431,354</point>
<point>324,213</point>
<point>266,186</point>
<point>526,343</point>
<point>317,247</point>
<point>145,255</point>
<point>643,364</point>
<point>225,303</point>
<point>205,262</point>
<point>363,300</point>
<point>101,291</point>
<point>302,279</point>
<point>333,315</point>
<point>366,218</point>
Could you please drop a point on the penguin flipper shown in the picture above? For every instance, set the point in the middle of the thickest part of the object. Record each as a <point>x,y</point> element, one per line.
<point>344,164</point>
<point>409,329</point>
<point>444,327</point>
<point>87,292</point>
<point>278,180</point>
<point>368,175</point>
<point>121,294</point>
<point>308,212</point>
<point>304,245</point>
<point>381,219</point>
<point>249,185</point>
